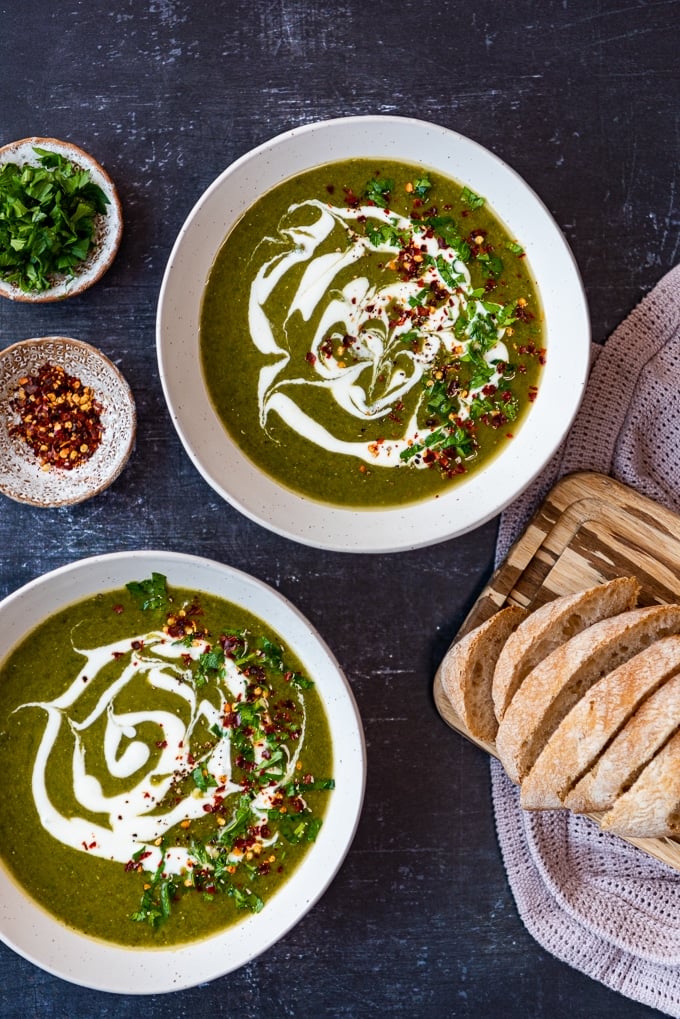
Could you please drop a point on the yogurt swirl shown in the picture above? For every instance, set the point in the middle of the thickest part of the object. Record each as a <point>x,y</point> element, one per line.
<point>360,333</point>
<point>89,714</point>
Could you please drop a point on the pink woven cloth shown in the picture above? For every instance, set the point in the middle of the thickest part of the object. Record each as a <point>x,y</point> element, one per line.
<point>587,897</point>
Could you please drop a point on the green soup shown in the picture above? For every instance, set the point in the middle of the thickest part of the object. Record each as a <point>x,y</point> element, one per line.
<point>370,333</point>
<point>166,767</point>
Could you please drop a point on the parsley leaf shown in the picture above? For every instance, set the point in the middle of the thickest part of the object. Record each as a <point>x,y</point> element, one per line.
<point>448,274</point>
<point>492,264</point>
<point>384,235</point>
<point>421,186</point>
<point>209,661</point>
<point>203,780</point>
<point>471,199</point>
<point>419,299</point>
<point>379,192</point>
<point>151,593</point>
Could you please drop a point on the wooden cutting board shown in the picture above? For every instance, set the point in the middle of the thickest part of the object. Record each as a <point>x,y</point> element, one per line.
<point>589,529</point>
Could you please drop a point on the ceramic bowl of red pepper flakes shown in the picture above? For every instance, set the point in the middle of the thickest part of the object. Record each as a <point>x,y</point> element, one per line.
<point>67,421</point>
<point>61,220</point>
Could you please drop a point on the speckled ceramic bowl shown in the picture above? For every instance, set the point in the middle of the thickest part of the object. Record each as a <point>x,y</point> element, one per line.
<point>109,227</point>
<point>36,935</point>
<point>21,475</point>
<point>463,505</point>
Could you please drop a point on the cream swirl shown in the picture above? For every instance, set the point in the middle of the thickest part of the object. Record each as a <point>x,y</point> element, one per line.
<point>92,715</point>
<point>382,367</point>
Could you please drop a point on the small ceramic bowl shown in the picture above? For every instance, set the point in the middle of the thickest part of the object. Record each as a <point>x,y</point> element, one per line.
<point>109,227</point>
<point>22,477</point>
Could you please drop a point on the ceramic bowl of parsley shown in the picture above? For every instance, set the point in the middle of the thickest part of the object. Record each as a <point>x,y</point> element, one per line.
<point>60,220</point>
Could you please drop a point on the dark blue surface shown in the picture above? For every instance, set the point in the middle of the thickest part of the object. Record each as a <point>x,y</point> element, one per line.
<point>582,99</point>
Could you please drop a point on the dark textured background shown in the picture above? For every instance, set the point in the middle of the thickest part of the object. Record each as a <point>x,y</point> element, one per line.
<point>581,98</point>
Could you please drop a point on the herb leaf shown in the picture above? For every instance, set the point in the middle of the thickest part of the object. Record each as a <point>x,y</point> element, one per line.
<point>471,199</point>
<point>379,192</point>
<point>151,593</point>
<point>421,186</point>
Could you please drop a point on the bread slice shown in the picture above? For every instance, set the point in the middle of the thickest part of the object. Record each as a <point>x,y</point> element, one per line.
<point>552,625</point>
<point>466,673</point>
<point>560,680</point>
<point>594,721</point>
<point>624,758</point>
<point>651,807</point>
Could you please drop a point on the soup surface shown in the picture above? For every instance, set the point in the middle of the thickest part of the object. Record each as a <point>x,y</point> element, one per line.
<point>166,764</point>
<point>370,332</point>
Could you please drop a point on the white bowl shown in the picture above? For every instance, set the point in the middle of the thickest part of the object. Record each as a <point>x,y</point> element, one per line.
<point>108,226</point>
<point>21,477</point>
<point>470,501</point>
<point>34,934</point>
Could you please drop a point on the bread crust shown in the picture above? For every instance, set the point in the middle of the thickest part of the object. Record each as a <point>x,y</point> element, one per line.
<point>466,673</point>
<point>594,721</point>
<point>649,809</point>
<point>625,757</point>
<point>552,625</point>
<point>560,680</point>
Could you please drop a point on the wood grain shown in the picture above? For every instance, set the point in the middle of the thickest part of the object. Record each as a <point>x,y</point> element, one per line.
<point>589,529</point>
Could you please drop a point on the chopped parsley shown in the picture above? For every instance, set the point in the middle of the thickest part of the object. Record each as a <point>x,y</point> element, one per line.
<point>379,192</point>
<point>471,199</point>
<point>249,816</point>
<point>151,593</point>
<point>48,216</point>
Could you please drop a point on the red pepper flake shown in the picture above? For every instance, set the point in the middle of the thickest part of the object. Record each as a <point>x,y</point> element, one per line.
<point>59,417</point>
<point>311,358</point>
<point>118,609</point>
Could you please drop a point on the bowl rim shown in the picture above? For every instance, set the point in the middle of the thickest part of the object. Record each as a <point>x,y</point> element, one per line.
<point>101,259</point>
<point>28,929</point>
<point>126,411</point>
<point>415,525</point>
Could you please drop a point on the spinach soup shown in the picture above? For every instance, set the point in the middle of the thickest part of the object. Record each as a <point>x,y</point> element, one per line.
<point>167,764</point>
<point>370,333</point>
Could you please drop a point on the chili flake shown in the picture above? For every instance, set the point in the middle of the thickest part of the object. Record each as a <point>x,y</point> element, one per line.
<point>59,417</point>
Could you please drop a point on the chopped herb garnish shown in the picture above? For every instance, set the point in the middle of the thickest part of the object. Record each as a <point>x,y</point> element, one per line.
<point>151,593</point>
<point>155,905</point>
<point>492,264</point>
<point>384,235</point>
<point>203,780</point>
<point>419,299</point>
<point>244,817</point>
<point>471,199</point>
<point>448,273</point>
<point>421,186</point>
<point>209,662</point>
<point>297,679</point>
<point>379,192</point>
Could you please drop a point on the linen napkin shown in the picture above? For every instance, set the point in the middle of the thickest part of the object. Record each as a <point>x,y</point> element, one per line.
<point>587,897</point>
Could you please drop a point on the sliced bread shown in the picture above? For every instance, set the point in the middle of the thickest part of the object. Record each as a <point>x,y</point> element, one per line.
<point>557,683</point>
<point>594,721</point>
<point>552,625</point>
<point>466,672</point>
<point>651,807</point>
<point>625,757</point>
